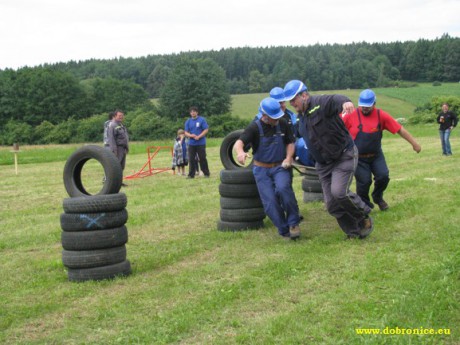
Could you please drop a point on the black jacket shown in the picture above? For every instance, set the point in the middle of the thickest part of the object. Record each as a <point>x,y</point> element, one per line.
<point>450,120</point>
<point>323,129</point>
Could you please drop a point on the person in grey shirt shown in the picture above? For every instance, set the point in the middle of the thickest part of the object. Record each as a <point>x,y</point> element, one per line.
<point>118,139</point>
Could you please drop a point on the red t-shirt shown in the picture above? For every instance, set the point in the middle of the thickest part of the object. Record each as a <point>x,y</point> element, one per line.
<point>370,122</point>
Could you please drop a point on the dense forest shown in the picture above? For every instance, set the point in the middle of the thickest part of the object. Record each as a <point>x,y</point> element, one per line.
<point>35,101</point>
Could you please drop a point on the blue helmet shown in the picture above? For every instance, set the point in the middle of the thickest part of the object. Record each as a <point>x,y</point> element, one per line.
<point>366,98</point>
<point>271,107</point>
<point>293,88</point>
<point>278,94</point>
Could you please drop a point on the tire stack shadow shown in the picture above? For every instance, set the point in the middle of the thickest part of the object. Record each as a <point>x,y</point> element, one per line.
<point>241,207</point>
<point>94,234</point>
<point>311,187</point>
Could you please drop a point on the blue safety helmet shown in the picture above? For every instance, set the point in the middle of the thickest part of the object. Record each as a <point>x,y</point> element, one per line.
<point>278,94</point>
<point>271,107</point>
<point>366,98</point>
<point>293,88</point>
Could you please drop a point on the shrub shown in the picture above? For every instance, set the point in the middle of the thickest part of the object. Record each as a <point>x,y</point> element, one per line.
<point>42,133</point>
<point>437,83</point>
<point>424,116</point>
<point>16,132</point>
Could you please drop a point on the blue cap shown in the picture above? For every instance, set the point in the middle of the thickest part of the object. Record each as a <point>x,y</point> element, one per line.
<point>271,107</point>
<point>278,94</point>
<point>293,88</point>
<point>366,98</point>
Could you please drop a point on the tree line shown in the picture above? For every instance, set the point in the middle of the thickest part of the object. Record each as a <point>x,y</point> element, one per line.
<point>47,103</point>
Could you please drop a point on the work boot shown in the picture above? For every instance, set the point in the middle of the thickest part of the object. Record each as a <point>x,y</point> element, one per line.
<point>294,232</point>
<point>383,205</point>
<point>367,227</point>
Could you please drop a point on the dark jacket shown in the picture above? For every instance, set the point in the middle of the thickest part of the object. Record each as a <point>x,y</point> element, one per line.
<point>450,120</point>
<point>323,130</point>
<point>117,136</point>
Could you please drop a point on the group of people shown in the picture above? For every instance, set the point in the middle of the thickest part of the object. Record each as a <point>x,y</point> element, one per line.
<point>343,141</point>
<point>190,146</point>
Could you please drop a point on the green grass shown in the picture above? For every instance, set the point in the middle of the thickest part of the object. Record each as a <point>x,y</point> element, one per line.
<point>192,284</point>
<point>399,102</point>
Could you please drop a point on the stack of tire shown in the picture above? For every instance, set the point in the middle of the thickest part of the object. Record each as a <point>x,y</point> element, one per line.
<point>240,204</point>
<point>311,187</point>
<point>94,234</point>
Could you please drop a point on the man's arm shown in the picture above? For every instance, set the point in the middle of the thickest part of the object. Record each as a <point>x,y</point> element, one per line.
<point>290,150</point>
<point>410,139</point>
<point>239,149</point>
<point>202,134</point>
<point>454,121</point>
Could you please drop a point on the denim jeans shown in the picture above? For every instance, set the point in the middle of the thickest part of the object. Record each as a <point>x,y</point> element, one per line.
<point>278,198</point>
<point>444,135</point>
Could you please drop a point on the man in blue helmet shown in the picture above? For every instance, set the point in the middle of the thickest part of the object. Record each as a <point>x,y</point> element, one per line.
<point>335,155</point>
<point>291,118</point>
<point>272,143</point>
<point>365,125</point>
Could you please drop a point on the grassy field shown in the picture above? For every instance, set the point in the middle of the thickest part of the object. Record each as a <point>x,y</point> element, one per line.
<point>399,102</point>
<point>192,284</point>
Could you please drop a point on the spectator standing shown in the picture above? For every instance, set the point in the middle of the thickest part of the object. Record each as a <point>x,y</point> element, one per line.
<point>272,144</point>
<point>366,124</point>
<point>447,121</point>
<point>196,129</point>
<point>106,128</point>
<point>335,154</point>
<point>180,158</point>
<point>117,137</point>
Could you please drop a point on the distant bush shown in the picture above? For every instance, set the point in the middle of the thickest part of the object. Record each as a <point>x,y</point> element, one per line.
<point>221,125</point>
<point>421,117</point>
<point>437,83</point>
<point>428,112</point>
<point>16,132</point>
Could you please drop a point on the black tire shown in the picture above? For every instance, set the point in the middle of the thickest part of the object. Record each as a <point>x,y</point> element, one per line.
<point>100,273</point>
<point>242,215</point>
<point>311,177</point>
<point>238,190</point>
<point>93,221</point>
<point>93,258</point>
<point>95,203</point>
<point>238,226</point>
<point>227,158</point>
<point>311,173</point>
<point>239,203</point>
<point>311,186</point>
<point>99,239</point>
<point>74,165</point>
<point>240,176</point>
<point>312,197</point>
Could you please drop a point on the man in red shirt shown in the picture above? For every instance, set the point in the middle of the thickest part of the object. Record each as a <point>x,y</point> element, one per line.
<point>365,125</point>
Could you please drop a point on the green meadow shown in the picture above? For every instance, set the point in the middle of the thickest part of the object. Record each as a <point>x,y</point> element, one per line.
<point>192,284</point>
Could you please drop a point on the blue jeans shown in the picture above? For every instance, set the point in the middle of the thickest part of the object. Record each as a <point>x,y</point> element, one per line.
<point>367,167</point>
<point>444,135</point>
<point>278,198</point>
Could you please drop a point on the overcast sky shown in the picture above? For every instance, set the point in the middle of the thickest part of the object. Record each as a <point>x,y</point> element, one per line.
<point>34,32</point>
